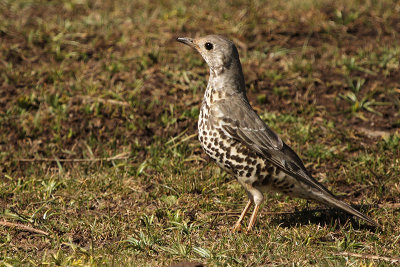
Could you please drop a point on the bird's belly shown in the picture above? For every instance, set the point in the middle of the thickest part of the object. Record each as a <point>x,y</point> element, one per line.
<point>233,157</point>
<point>280,182</point>
<point>247,166</point>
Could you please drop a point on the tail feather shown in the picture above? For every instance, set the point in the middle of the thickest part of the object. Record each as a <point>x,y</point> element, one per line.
<point>332,201</point>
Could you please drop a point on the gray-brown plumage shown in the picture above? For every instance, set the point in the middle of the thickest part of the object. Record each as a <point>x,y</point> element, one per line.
<point>241,143</point>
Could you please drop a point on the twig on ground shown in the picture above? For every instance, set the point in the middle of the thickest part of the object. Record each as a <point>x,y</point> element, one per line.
<point>73,160</point>
<point>23,227</point>
<point>104,101</point>
<point>389,205</point>
<point>368,256</point>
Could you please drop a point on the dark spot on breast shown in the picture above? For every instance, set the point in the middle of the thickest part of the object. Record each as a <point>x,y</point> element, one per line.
<point>237,158</point>
<point>266,180</point>
<point>271,169</point>
<point>244,150</point>
<point>241,173</point>
<point>239,167</point>
<point>258,169</point>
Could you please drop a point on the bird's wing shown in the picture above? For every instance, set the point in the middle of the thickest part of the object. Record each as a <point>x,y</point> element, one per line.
<point>238,120</point>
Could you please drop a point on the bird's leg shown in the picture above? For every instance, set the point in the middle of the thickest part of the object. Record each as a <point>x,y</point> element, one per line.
<point>244,212</point>
<point>253,218</point>
<point>258,199</point>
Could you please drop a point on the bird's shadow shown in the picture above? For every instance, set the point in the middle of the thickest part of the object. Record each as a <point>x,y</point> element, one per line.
<point>325,217</point>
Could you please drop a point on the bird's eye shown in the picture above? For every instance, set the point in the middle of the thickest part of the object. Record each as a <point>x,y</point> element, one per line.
<point>208,46</point>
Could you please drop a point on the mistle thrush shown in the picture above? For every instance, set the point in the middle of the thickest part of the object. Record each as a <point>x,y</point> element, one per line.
<point>232,134</point>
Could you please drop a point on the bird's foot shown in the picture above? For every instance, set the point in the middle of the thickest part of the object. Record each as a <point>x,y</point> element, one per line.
<point>237,227</point>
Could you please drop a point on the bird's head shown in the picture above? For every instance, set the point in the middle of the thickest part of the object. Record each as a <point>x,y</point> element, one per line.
<point>219,52</point>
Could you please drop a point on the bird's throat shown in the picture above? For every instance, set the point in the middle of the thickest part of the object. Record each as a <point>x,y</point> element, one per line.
<point>228,80</point>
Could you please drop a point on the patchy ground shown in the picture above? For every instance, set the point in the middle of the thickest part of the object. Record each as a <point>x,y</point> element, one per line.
<point>100,162</point>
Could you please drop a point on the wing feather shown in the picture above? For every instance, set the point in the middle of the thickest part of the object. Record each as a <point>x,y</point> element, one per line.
<point>239,121</point>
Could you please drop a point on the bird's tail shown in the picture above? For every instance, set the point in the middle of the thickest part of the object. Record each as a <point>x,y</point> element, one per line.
<point>332,201</point>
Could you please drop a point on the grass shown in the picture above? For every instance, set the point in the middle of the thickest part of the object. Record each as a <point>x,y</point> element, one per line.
<point>98,120</point>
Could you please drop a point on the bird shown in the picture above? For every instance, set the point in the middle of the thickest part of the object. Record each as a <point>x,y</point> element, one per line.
<point>241,143</point>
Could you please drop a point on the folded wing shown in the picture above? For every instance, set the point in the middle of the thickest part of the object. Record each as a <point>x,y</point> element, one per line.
<point>239,121</point>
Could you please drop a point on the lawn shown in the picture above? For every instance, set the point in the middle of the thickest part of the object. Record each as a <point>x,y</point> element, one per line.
<point>100,163</point>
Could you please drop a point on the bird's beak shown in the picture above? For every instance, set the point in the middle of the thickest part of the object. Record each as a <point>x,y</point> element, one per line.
<point>187,41</point>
